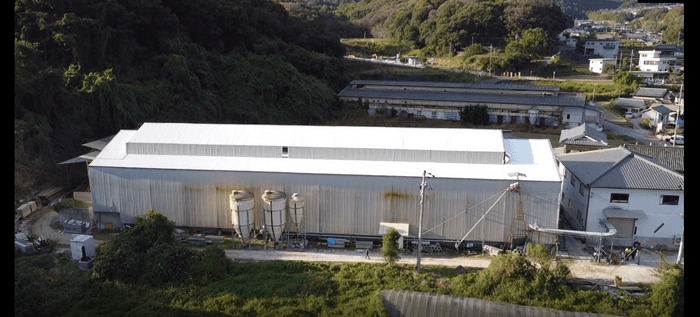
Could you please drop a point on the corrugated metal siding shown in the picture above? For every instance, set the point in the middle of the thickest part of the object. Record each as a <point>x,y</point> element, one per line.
<point>409,304</point>
<point>352,205</point>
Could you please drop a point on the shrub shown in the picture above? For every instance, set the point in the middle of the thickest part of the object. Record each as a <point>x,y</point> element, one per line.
<point>147,253</point>
<point>391,246</point>
<point>668,295</point>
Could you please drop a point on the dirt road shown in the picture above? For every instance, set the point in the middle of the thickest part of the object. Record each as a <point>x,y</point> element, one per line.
<point>39,224</point>
<point>581,267</point>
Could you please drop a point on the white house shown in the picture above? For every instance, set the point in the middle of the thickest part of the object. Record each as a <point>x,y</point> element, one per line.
<point>605,48</point>
<point>653,61</point>
<point>642,199</point>
<point>658,113</point>
<point>598,65</point>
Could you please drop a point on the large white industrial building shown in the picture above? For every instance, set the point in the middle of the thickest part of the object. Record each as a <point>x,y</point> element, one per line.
<point>351,178</point>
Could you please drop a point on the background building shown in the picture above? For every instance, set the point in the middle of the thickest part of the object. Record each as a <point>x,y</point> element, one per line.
<point>507,103</point>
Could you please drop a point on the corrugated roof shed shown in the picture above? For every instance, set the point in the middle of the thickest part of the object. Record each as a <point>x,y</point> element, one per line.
<point>433,85</point>
<point>532,157</point>
<point>650,92</point>
<point>661,109</point>
<point>473,140</point>
<point>583,135</point>
<point>561,99</point>
<point>99,144</point>
<point>620,168</point>
<point>630,103</point>
<point>415,304</point>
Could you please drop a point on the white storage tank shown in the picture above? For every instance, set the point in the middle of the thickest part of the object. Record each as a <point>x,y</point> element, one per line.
<point>534,113</point>
<point>242,212</point>
<point>296,211</point>
<point>275,213</point>
<point>77,244</point>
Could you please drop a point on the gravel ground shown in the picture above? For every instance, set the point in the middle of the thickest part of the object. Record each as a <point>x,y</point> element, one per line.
<point>581,266</point>
<point>579,261</point>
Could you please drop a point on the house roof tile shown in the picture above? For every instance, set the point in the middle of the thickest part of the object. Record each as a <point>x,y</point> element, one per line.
<point>620,168</point>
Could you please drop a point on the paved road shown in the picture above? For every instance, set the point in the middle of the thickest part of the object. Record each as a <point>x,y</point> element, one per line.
<point>613,123</point>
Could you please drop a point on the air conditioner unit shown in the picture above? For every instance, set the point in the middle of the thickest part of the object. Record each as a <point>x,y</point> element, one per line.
<point>676,240</point>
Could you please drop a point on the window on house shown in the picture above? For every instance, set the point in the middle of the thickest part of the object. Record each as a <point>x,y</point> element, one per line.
<point>434,115</point>
<point>579,215</point>
<point>580,188</point>
<point>285,151</point>
<point>568,116</point>
<point>573,182</point>
<point>619,198</point>
<point>669,200</point>
<point>571,204</point>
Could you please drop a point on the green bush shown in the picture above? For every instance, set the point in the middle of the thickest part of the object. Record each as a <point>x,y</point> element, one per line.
<point>391,246</point>
<point>668,295</point>
<point>476,114</point>
<point>147,253</point>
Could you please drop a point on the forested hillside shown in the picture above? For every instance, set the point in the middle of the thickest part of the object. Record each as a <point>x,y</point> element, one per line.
<point>446,26</point>
<point>86,69</point>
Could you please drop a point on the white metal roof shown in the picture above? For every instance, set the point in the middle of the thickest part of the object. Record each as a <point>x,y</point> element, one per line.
<point>481,140</point>
<point>531,157</point>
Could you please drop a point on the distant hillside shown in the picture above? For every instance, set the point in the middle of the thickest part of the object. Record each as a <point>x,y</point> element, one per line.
<point>577,8</point>
<point>86,69</point>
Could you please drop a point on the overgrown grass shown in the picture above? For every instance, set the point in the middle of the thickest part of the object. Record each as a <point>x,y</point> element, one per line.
<point>281,288</point>
<point>381,47</point>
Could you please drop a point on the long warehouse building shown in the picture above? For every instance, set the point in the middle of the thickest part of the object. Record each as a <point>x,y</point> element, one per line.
<point>351,178</point>
<point>506,102</point>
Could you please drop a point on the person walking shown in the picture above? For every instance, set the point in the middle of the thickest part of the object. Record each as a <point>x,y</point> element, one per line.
<point>367,254</point>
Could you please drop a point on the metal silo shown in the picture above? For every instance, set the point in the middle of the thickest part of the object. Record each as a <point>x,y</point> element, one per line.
<point>242,210</point>
<point>296,212</point>
<point>274,213</point>
<point>296,219</point>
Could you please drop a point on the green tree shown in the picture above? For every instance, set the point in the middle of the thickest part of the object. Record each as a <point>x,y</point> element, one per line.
<point>147,253</point>
<point>530,46</point>
<point>627,79</point>
<point>476,114</point>
<point>472,50</point>
<point>668,295</point>
<point>391,246</point>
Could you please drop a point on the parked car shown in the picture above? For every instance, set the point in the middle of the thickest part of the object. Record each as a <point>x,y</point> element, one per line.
<point>679,139</point>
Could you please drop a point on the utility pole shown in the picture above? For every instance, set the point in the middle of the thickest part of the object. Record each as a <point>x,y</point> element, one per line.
<point>420,218</point>
<point>490,50</point>
<point>680,248</point>
<point>631,59</point>
<point>678,115</point>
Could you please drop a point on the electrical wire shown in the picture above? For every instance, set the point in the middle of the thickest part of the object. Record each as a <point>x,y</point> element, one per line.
<point>472,207</point>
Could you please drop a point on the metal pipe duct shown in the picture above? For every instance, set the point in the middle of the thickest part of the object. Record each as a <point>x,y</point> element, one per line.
<point>611,230</point>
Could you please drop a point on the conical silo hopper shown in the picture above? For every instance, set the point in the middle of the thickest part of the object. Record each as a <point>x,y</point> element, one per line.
<point>275,213</point>
<point>242,209</point>
<point>296,212</point>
